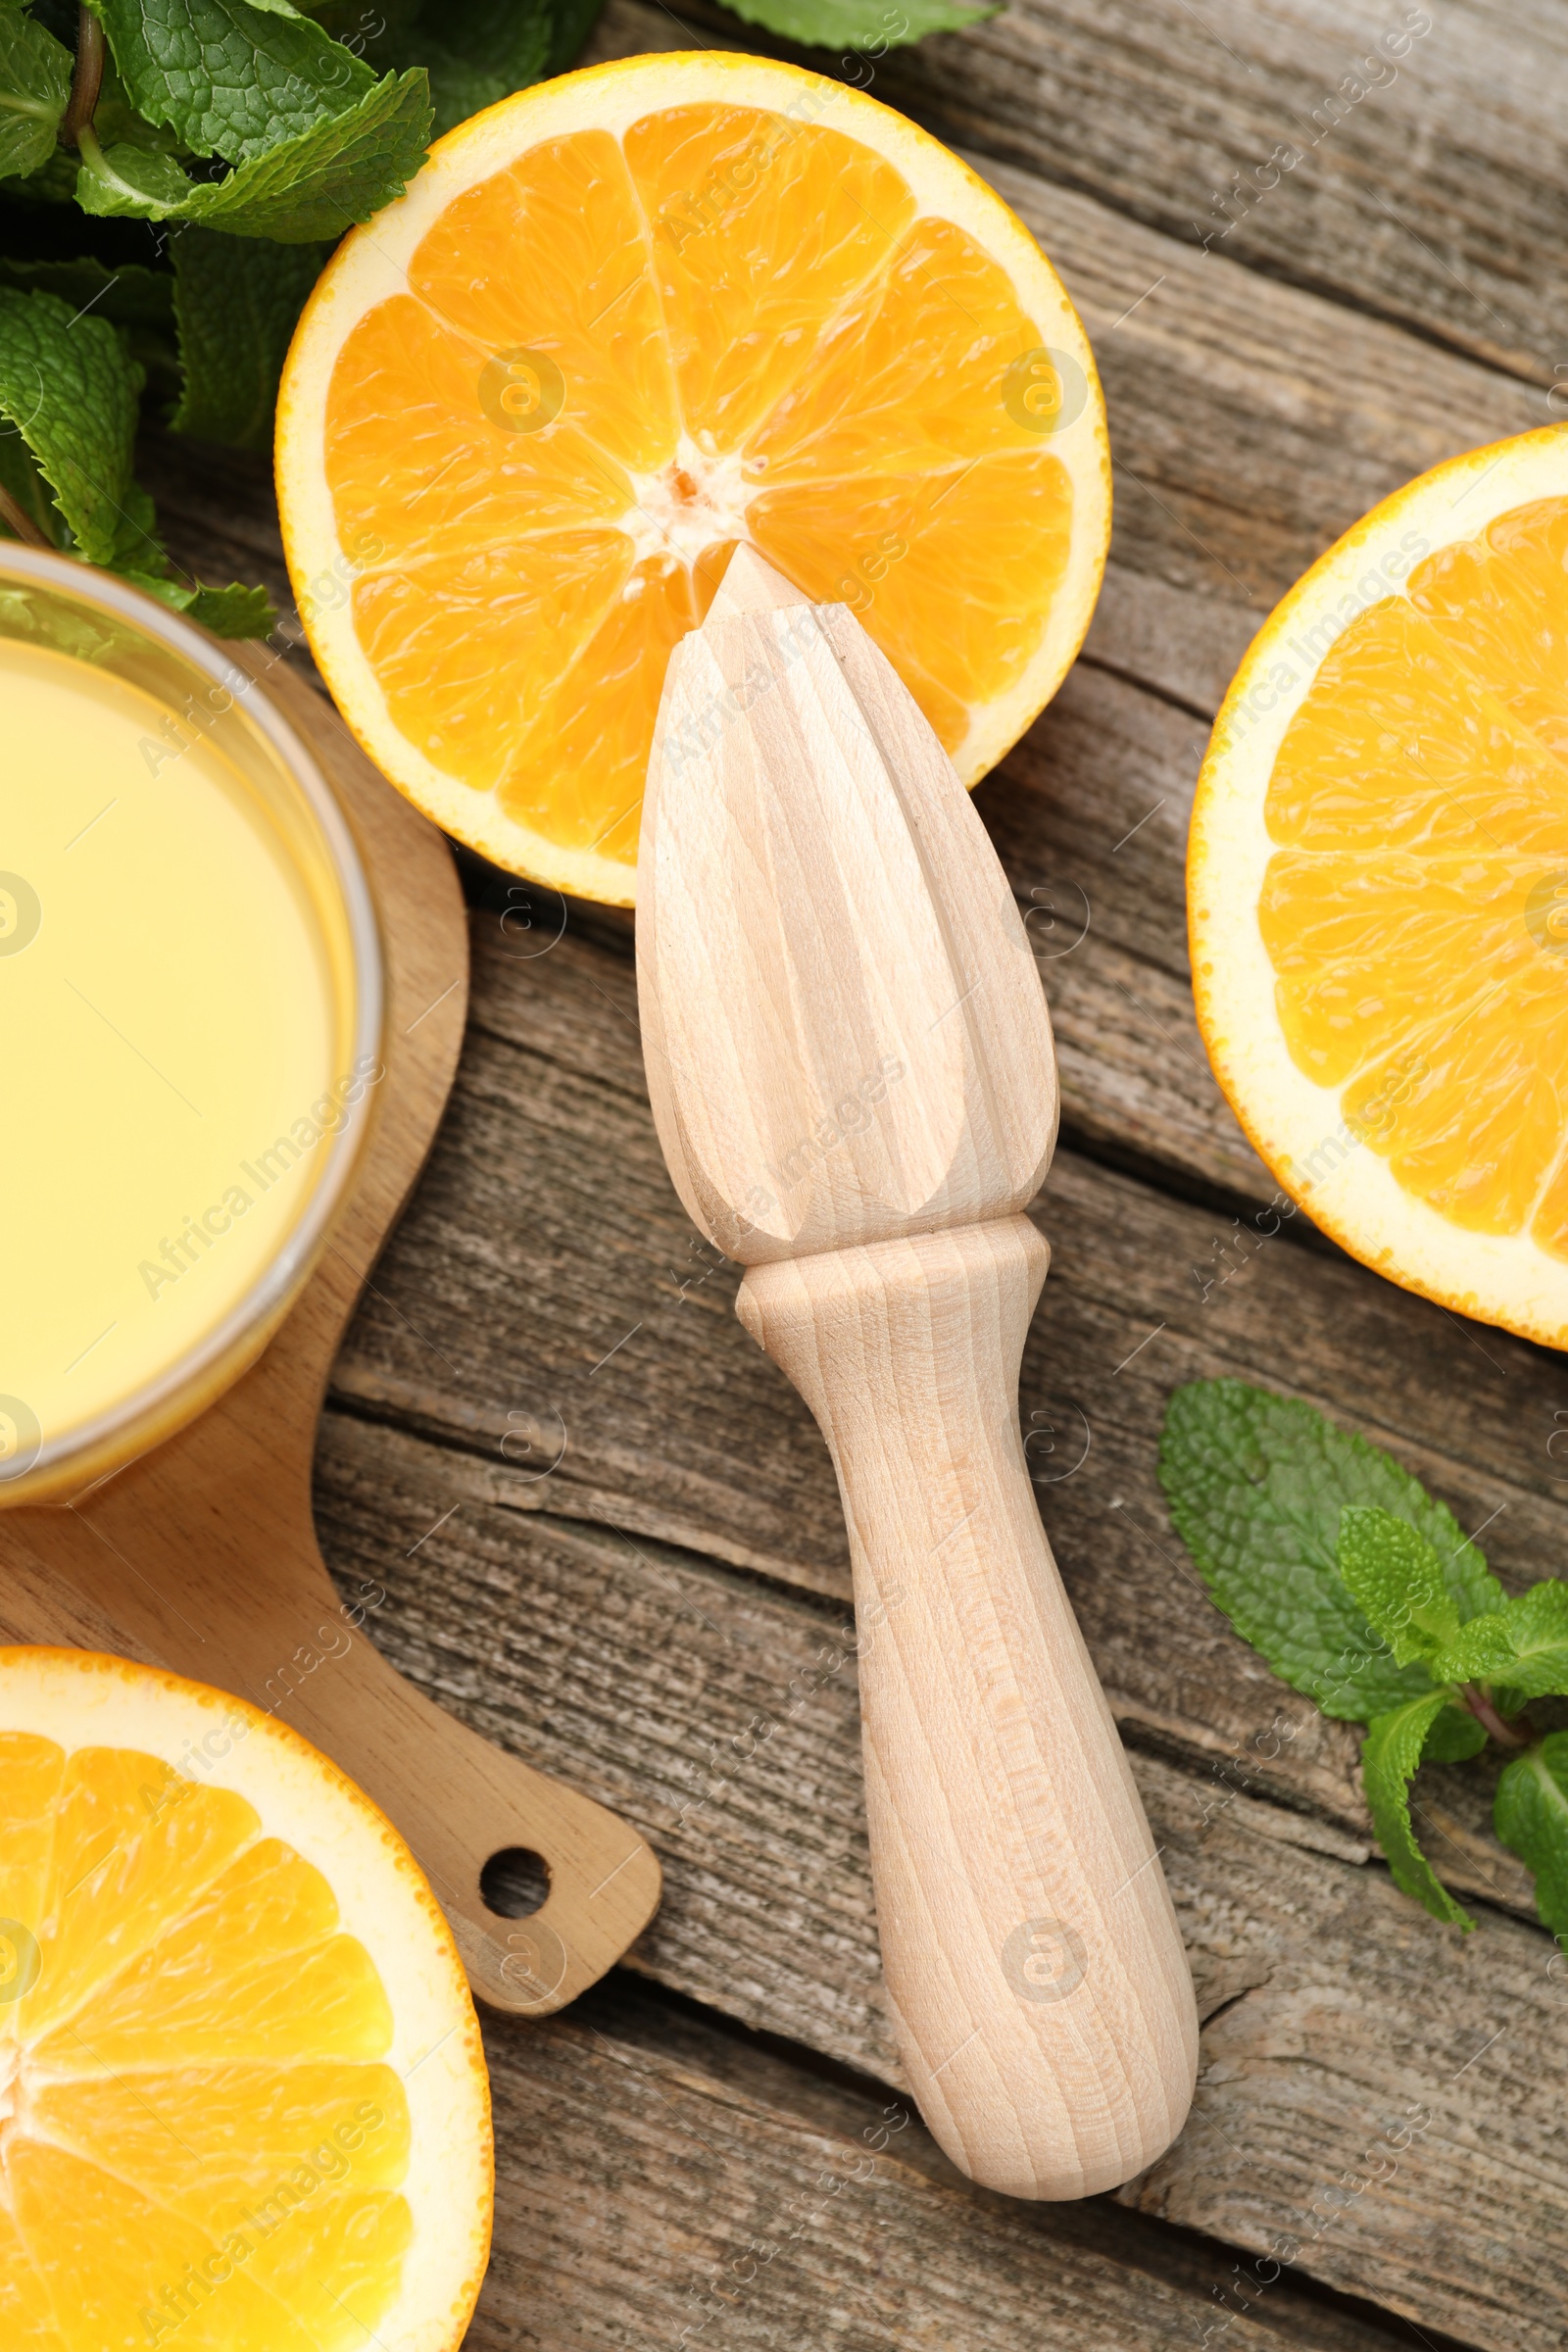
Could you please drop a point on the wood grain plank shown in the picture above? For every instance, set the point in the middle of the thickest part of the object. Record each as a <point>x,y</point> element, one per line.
<point>547,1308</point>
<point>719,1714</point>
<point>663,2182</point>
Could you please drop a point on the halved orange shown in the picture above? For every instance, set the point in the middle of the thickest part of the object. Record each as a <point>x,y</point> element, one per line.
<point>619,323</point>
<point>1378,888</point>
<point>243,2103</point>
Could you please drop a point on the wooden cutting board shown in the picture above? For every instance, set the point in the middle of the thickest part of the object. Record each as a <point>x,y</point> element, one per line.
<point>202,1556</point>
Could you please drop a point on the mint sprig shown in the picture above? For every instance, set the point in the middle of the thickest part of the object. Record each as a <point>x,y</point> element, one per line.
<point>69,391</point>
<point>235,309</point>
<point>1363,1593</point>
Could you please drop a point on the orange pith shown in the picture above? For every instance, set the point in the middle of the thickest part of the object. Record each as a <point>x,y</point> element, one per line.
<point>181,2142</point>
<point>1415,908</point>
<point>749,327</point>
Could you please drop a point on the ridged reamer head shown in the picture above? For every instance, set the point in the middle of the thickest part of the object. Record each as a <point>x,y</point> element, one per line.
<point>845,1031</point>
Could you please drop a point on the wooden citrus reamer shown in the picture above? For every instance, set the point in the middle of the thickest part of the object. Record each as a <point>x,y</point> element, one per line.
<point>850,1066</point>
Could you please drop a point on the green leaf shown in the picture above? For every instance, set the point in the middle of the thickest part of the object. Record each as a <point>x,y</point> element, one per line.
<point>230,77</point>
<point>236,306</point>
<point>1531,1815</point>
<point>54,181</point>
<point>1394,1573</point>
<point>136,551</point>
<point>70,389</point>
<point>869,26</point>
<point>301,193</point>
<point>1455,1737</point>
<point>1389,1760</point>
<point>140,302</point>
<point>1524,1647</point>
<point>231,611</point>
<point>1257,1485</point>
<point>128,295</point>
<point>34,84</point>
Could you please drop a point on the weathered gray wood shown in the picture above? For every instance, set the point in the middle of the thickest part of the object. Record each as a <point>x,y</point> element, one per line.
<point>718,1713</point>
<point>660,2176</point>
<point>530,1311</point>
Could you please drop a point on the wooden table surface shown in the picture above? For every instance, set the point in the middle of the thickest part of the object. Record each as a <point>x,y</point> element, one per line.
<point>608,1528</point>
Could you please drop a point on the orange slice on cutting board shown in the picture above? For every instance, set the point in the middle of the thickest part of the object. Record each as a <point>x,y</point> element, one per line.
<point>619,323</point>
<point>243,2103</point>
<point>1378,888</point>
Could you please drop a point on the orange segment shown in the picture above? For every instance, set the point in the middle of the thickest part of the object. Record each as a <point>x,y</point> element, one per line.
<point>120,2269</point>
<point>729,192</point>
<point>552,256</point>
<point>621,323</point>
<point>1504,597</point>
<point>1379,888</point>
<point>586,752</point>
<point>225,2120</point>
<point>911,373</point>
<point>465,651</point>
<point>452,479</point>
<point>895,549</point>
<point>27,2313</point>
<point>130,1849</point>
<point>1400,746</point>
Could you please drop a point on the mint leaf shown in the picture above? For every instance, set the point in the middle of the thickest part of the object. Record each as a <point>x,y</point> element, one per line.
<point>128,295</point>
<point>230,78</point>
<point>868,26</point>
<point>69,390</point>
<point>1531,1815</point>
<point>34,84</point>
<point>1395,1575</point>
<point>1257,1485</point>
<point>231,611</point>
<point>1524,1647</point>
<point>136,551</point>
<point>140,302</point>
<point>236,306</point>
<point>1455,1737</point>
<point>139,556</point>
<point>53,183</point>
<point>301,193</point>
<point>1389,1760</point>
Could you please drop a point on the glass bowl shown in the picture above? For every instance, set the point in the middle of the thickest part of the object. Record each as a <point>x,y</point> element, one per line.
<point>191,1002</point>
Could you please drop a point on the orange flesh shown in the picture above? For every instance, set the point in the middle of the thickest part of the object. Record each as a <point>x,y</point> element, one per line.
<point>199,2142</point>
<point>745,328</point>
<point>1416,911</point>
